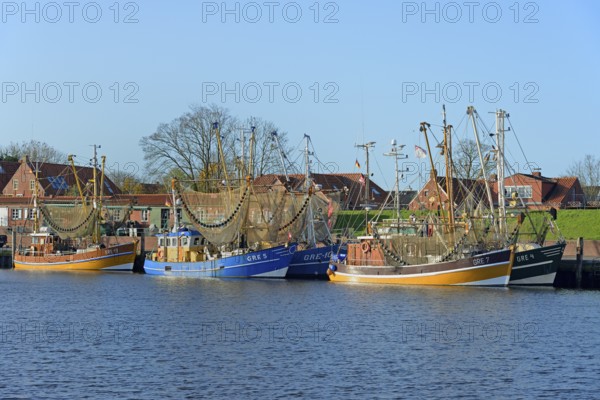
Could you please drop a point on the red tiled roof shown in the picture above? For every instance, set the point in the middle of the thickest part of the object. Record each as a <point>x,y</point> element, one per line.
<point>350,184</point>
<point>47,171</point>
<point>559,194</point>
<point>7,170</point>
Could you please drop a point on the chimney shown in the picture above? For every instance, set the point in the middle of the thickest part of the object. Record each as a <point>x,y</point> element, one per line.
<point>537,174</point>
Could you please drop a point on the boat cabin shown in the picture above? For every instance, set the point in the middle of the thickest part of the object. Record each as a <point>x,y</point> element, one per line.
<point>46,243</point>
<point>181,246</point>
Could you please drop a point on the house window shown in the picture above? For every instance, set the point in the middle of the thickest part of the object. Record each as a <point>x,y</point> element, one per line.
<point>523,192</point>
<point>32,185</point>
<point>17,214</point>
<point>116,215</point>
<point>145,215</point>
<point>15,184</point>
<point>179,214</point>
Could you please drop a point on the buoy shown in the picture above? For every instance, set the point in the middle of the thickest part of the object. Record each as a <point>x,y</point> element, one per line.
<point>366,247</point>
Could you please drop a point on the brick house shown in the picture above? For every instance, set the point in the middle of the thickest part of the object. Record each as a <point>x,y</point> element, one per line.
<point>539,192</point>
<point>53,180</point>
<point>535,190</point>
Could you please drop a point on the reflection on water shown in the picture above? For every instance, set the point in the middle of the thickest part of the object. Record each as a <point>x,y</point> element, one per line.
<point>99,335</point>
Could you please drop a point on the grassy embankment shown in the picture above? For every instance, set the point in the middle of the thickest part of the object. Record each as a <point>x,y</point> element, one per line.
<point>572,223</point>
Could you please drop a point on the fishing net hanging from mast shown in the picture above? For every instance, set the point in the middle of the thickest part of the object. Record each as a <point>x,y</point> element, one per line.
<point>69,220</point>
<point>261,214</point>
<point>218,216</point>
<point>275,215</point>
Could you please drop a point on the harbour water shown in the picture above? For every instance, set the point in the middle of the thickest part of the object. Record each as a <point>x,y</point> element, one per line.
<point>130,336</point>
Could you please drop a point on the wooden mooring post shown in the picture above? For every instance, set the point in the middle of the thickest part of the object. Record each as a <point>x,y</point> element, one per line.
<point>13,248</point>
<point>579,266</point>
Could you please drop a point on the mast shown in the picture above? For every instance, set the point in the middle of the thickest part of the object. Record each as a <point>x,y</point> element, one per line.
<point>310,227</point>
<point>449,173</point>
<point>36,218</point>
<point>423,128</point>
<point>275,137</point>
<point>79,189</point>
<point>366,146</point>
<point>96,232</point>
<point>397,156</point>
<point>252,146</point>
<point>221,154</point>
<point>174,205</point>
<point>500,169</point>
<point>471,111</point>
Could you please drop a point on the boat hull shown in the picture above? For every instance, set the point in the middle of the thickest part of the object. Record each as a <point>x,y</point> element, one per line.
<point>268,263</point>
<point>488,269</point>
<point>537,267</point>
<point>113,258</point>
<point>311,263</point>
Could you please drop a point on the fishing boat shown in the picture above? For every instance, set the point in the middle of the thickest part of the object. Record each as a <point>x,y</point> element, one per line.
<point>436,250</point>
<point>312,229</point>
<point>49,252</point>
<point>236,235</point>
<point>186,253</point>
<point>536,263</point>
<point>366,262</point>
<point>71,240</point>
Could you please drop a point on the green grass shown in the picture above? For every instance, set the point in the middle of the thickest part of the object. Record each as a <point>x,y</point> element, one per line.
<point>578,223</point>
<point>572,223</point>
<point>354,221</point>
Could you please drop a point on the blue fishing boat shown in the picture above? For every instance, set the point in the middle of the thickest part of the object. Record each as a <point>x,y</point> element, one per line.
<point>239,229</point>
<point>312,226</point>
<point>186,254</point>
<point>311,263</point>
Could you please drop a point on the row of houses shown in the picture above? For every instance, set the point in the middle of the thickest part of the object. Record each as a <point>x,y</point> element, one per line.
<point>57,182</point>
<point>532,191</point>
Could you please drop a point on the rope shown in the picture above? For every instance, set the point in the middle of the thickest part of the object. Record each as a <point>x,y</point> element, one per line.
<point>210,226</point>
<point>61,229</point>
<point>297,214</point>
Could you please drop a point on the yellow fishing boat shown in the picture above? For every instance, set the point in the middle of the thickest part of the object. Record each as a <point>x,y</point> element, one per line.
<point>365,263</point>
<point>71,239</point>
<point>49,252</point>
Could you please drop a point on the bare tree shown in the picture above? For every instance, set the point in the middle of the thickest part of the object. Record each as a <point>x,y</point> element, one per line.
<point>588,172</point>
<point>266,154</point>
<point>35,150</point>
<point>188,147</point>
<point>466,159</point>
<point>187,144</point>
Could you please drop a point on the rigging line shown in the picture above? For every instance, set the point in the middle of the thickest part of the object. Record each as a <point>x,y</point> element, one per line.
<point>511,170</point>
<point>518,142</point>
<point>381,172</point>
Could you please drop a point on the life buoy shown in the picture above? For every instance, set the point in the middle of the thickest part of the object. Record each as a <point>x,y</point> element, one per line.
<point>365,247</point>
<point>160,254</point>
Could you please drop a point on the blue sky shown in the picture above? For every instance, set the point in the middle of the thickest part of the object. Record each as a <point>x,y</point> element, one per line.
<point>369,61</point>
